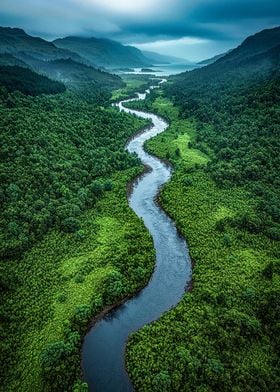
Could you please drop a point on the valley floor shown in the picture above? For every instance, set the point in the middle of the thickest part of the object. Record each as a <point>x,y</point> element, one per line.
<point>219,337</point>
<point>66,280</point>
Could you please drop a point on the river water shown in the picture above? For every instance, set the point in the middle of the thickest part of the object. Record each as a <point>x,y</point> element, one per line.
<point>103,353</point>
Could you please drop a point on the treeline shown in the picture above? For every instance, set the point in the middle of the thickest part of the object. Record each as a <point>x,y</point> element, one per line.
<point>15,78</point>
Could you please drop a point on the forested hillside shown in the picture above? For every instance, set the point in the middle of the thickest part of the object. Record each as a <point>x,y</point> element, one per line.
<point>70,244</point>
<point>43,57</point>
<point>236,102</point>
<point>104,52</point>
<point>77,75</point>
<point>224,196</point>
<point>28,82</point>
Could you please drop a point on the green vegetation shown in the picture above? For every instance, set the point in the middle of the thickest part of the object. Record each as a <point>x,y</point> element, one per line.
<point>70,244</point>
<point>28,82</point>
<point>55,289</point>
<point>132,83</point>
<point>19,48</point>
<point>58,153</point>
<point>224,335</point>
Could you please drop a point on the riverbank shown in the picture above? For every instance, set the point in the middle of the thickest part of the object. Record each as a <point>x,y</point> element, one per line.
<point>104,345</point>
<point>51,291</point>
<point>215,337</point>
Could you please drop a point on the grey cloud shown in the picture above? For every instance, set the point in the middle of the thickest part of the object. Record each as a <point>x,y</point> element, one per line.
<point>224,21</point>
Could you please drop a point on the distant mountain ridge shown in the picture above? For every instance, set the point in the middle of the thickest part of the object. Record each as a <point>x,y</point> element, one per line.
<point>158,58</point>
<point>255,44</point>
<point>258,53</point>
<point>14,41</point>
<point>20,49</point>
<point>104,52</point>
<point>96,52</point>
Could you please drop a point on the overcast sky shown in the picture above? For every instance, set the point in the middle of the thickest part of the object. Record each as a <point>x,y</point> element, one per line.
<point>192,29</point>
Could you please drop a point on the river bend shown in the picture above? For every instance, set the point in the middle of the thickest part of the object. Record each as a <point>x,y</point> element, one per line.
<point>103,353</point>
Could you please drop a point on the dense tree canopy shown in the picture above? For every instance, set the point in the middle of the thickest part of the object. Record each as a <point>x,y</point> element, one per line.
<point>15,78</point>
<point>56,155</point>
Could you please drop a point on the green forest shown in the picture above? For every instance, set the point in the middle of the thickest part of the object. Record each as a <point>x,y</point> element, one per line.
<point>71,247</point>
<point>224,145</point>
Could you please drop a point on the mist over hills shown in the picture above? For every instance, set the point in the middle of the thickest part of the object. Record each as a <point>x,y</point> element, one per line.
<point>77,61</point>
<point>104,52</point>
<point>257,54</point>
<point>74,61</point>
<point>72,248</point>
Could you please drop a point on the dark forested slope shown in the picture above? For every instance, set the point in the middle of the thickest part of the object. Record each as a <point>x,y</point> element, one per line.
<point>236,101</point>
<point>15,78</point>
<point>104,52</point>
<point>70,245</point>
<point>77,75</point>
<point>54,150</point>
<point>19,48</point>
<point>224,143</point>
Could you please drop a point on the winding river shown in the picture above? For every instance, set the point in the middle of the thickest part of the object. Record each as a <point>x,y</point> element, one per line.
<point>103,354</point>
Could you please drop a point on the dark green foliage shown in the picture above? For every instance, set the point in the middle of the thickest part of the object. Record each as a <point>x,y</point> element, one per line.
<point>28,82</point>
<point>224,335</point>
<point>58,370</point>
<point>57,154</point>
<point>236,102</point>
<point>64,168</point>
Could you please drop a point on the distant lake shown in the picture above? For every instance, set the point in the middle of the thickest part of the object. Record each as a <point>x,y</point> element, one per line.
<point>165,69</point>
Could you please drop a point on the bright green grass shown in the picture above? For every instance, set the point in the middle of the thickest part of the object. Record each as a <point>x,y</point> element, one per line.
<point>63,272</point>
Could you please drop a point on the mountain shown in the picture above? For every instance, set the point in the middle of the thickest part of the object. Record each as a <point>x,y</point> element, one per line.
<point>158,58</point>
<point>15,41</point>
<point>104,52</point>
<point>9,59</point>
<point>258,54</point>
<point>21,49</point>
<point>255,44</point>
<point>212,60</point>
<point>28,82</point>
<point>75,74</point>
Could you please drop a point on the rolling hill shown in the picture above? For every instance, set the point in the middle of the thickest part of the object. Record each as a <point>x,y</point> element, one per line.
<point>258,55</point>
<point>213,59</point>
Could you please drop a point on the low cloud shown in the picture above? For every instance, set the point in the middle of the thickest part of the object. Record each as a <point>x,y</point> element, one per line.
<point>165,25</point>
